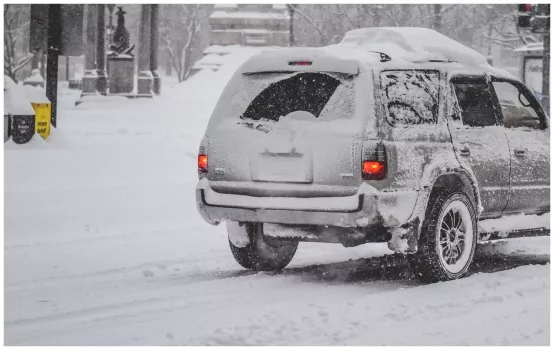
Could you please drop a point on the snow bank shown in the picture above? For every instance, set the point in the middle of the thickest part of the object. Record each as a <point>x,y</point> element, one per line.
<point>16,101</point>
<point>221,49</point>
<point>35,143</point>
<point>527,246</point>
<point>206,85</point>
<point>35,77</point>
<point>211,59</point>
<point>507,224</point>
<point>18,98</point>
<point>35,94</point>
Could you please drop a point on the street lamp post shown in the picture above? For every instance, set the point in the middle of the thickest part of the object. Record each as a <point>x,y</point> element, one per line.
<point>292,9</point>
<point>102,82</point>
<point>111,8</point>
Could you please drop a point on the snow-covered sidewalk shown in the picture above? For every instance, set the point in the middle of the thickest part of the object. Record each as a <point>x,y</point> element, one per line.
<point>103,245</point>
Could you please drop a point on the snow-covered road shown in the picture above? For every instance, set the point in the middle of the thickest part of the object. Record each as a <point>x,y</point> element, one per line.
<point>103,245</point>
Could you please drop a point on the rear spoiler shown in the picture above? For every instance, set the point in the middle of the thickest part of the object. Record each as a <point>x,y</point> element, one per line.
<point>298,60</point>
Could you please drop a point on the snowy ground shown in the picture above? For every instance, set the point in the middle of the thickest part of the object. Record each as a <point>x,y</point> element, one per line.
<point>103,246</point>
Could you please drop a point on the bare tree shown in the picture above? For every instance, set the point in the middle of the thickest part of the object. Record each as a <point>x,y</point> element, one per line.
<point>481,27</point>
<point>179,31</point>
<point>317,27</point>
<point>371,13</point>
<point>398,15</point>
<point>16,22</point>
<point>503,28</point>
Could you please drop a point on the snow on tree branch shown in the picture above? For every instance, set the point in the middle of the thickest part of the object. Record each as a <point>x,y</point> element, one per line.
<point>16,23</point>
<point>178,35</point>
<point>315,26</point>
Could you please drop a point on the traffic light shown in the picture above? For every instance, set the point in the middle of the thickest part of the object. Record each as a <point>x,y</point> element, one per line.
<point>541,18</point>
<point>542,10</point>
<point>525,13</point>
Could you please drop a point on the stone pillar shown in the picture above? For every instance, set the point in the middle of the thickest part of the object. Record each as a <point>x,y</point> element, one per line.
<point>546,73</point>
<point>145,80</point>
<point>102,82</point>
<point>67,68</point>
<point>90,77</point>
<point>36,57</point>
<point>36,78</point>
<point>154,37</point>
<point>42,63</point>
<point>111,7</point>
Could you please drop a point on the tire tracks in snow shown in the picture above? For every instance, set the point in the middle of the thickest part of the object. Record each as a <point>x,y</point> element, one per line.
<point>390,268</point>
<point>425,315</point>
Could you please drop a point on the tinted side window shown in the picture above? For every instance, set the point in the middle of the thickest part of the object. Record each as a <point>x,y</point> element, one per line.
<point>516,108</point>
<point>411,96</point>
<point>475,102</point>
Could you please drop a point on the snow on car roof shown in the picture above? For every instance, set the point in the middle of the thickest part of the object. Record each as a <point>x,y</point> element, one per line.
<point>212,58</point>
<point>317,59</point>
<point>413,44</point>
<point>407,48</point>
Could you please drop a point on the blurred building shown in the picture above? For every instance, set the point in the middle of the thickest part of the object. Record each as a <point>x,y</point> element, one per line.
<point>531,70</point>
<point>249,24</point>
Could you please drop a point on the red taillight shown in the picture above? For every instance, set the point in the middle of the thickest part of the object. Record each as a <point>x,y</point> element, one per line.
<point>525,8</point>
<point>202,164</point>
<point>373,168</point>
<point>528,8</point>
<point>300,63</point>
<point>374,165</point>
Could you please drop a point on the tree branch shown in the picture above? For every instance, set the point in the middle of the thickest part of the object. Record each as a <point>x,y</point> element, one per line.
<point>192,29</point>
<point>309,20</point>
<point>22,63</point>
<point>444,10</point>
<point>321,6</point>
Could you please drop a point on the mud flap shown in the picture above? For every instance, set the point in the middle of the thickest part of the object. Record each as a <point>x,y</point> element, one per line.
<point>238,233</point>
<point>404,238</point>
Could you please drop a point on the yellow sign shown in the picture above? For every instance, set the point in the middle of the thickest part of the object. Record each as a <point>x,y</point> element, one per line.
<point>43,112</point>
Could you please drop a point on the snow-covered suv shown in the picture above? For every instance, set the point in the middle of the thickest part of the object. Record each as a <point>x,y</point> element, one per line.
<point>397,135</point>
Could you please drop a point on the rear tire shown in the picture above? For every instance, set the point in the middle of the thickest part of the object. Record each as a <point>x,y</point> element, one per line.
<point>261,254</point>
<point>448,237</point>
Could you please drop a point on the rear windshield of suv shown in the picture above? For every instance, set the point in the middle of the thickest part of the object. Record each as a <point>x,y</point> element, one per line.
<point>272,96</point>
<point>410,96</point>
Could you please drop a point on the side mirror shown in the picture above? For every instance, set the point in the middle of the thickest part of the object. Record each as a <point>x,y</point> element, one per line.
<point>523,100</point>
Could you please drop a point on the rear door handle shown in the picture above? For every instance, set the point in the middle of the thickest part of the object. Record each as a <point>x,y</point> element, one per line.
<point>520,151</point>
<point>464,151</point>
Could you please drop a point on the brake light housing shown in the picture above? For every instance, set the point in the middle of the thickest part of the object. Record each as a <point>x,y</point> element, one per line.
<point>202,164</point>
<point>374,163</point>
<point>300,63</point>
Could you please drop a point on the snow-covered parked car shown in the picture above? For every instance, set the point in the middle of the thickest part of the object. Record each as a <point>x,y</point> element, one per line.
<point>397,135</point>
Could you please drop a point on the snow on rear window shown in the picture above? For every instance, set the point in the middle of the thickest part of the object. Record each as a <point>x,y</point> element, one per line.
<point>271,96</point>
<point>411,96</point>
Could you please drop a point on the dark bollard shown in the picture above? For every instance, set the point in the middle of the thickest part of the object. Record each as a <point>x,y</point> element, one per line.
<point>23,128</point>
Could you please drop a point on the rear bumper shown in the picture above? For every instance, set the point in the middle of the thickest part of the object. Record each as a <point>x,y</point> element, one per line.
<point>367,207</point>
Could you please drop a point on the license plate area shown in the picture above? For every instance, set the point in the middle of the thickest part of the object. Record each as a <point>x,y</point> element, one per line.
<point>292,166</point>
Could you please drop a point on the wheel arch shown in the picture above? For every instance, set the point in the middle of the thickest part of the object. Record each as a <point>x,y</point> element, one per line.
<point>443,175</point>
<point>459,182</point>
<point>458,179</point>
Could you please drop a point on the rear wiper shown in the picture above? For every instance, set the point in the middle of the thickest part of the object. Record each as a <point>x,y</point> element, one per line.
<point>256,125</point>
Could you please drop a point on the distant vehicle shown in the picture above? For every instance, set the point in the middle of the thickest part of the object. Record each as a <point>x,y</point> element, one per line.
<point>397,135</point>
